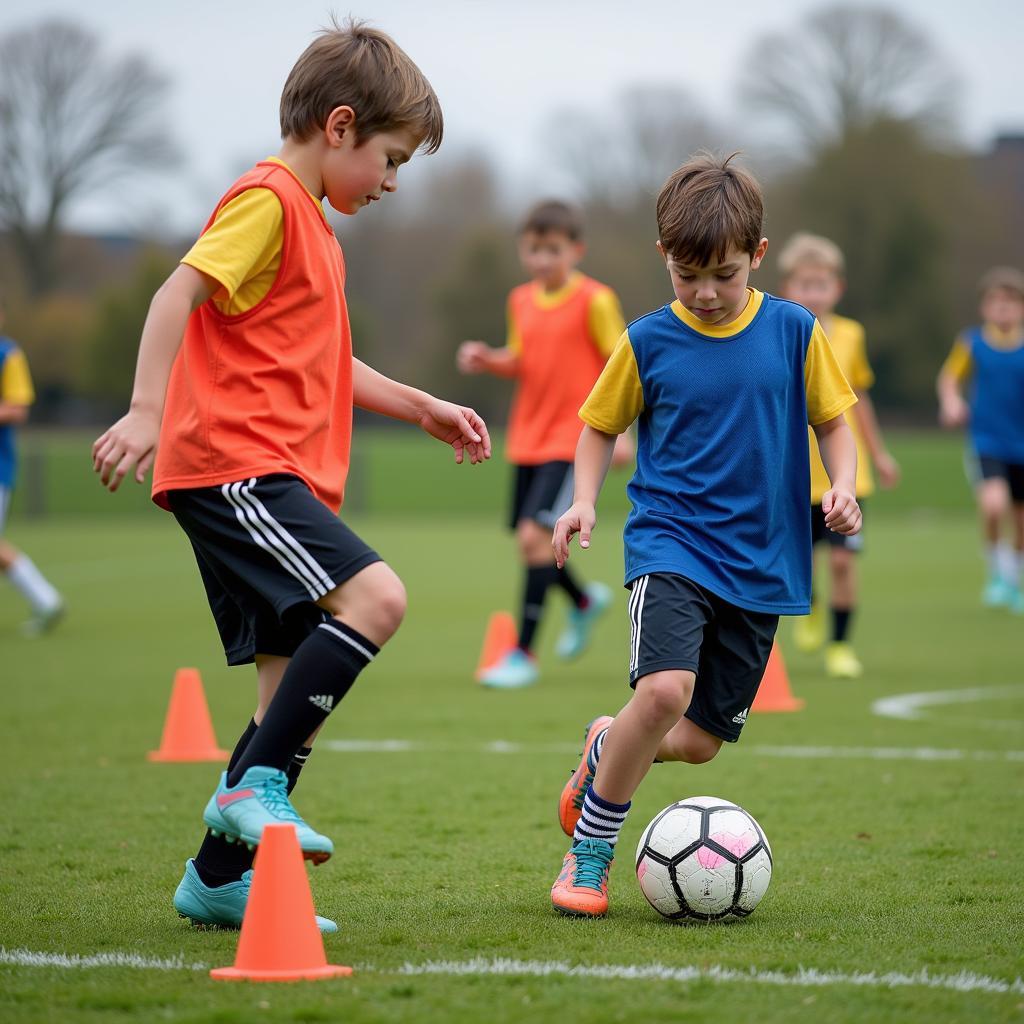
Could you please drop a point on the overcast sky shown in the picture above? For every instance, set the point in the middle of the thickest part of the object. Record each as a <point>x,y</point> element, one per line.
<point>500,70</point>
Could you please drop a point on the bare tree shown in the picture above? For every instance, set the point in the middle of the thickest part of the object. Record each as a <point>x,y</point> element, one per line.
<point>72,121</point>
<point>844,68</point>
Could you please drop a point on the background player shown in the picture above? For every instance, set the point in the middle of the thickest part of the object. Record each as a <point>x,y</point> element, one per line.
<point>812,274</point>
<point>562,325</point>
<point>990,359</point>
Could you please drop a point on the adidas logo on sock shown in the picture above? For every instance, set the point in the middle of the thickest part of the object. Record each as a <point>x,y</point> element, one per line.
<point>324,701</point>
<point>738,719</point>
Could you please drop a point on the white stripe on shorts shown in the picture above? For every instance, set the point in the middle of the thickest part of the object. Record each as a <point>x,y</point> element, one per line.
<point>269,541</point>
<point>5,503</point>
<point>636,614</point>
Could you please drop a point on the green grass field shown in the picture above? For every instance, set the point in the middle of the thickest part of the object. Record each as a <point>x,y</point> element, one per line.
<point>897,843</point>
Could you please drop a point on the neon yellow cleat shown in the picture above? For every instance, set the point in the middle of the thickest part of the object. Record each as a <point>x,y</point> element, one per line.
<point>841,662</point>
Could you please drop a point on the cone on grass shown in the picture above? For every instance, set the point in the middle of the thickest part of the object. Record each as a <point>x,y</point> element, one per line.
<point>279,940</point>
<point>500,638</point>
<point>188,732</point>
<point>774,693</point>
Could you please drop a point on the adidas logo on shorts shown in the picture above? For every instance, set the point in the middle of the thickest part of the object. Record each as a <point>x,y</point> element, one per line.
<point>324,701</point>
<point>739,719</point>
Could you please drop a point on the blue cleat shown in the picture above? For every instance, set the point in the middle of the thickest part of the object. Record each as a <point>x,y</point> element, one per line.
<point>574,639</point>
<point>515,670</point>
<point>997,593</point>
<point>240,812</point>
<point>222,906</point>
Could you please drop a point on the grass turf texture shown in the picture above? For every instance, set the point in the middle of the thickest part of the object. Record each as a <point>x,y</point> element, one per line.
<point>447,853</point>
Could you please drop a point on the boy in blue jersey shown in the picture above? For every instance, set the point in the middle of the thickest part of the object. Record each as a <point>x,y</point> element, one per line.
<point>723,383</point>
<point>990,358</point>
<point>16,396</point>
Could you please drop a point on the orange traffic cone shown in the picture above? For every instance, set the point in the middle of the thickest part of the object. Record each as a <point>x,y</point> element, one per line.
<point>188,731</point>
<point>500,638</point>
<point>280,940</point>
<point>774,693</point>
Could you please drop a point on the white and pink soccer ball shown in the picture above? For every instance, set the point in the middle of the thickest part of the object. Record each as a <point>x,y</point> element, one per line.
<point>703,859</point>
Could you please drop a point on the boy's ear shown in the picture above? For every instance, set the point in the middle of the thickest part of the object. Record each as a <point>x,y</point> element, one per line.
<point>340,121</point>
<point>762,248</point>
<point>661,250</point>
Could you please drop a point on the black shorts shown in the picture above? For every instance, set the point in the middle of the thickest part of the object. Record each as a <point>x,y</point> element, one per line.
<point>990,468</point>
<point>267,550</point>
<point>821,534</point>
<point>677,624</point>
<point>542,493</point>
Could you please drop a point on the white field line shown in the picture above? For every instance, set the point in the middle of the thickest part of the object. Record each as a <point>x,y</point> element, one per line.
<point>965,981</point>
<point>808,752</point>
<point>909,706</point>
<point>28,958</point>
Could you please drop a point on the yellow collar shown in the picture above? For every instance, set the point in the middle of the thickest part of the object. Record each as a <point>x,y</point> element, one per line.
<point>754,300</point>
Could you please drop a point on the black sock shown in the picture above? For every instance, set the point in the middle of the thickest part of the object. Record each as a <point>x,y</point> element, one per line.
<point>538,579</point>
<point>319,675</point>
<point>218,862</point>
<point>576,594</point>
<point>298,763</point>
<point>841,623</point>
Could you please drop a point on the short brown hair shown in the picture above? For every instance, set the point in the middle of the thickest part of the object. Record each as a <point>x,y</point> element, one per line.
<point>554,215</point>
<point>807,250</point>
<point>360,67</point>
<point>1007,278</point>
<point>707,206</point>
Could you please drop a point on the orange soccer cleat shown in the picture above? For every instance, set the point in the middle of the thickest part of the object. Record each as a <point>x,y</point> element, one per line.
<point>570,804</point>
<point>581,889</point>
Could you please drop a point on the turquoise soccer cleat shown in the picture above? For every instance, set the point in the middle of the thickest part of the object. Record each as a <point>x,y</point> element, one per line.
<point>997,593</point>
<point>576,635</point>
<point>239,813</point>
<point>515,670</point>
<point>222,906</point>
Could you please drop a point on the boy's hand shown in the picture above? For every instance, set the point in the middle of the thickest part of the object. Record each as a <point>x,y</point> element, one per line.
<point>842,513</point>
<point>472,357</point>
<point>131,441</point>
<point>888,470</point>
<point>458,426</point>
<point>579,519</point>
<point>954,412</point>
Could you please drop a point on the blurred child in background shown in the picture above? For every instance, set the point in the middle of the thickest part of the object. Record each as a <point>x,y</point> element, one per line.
<point>989,359</point>
<point>16,396</point>
<point>812,274</point>
<point>562,326</point>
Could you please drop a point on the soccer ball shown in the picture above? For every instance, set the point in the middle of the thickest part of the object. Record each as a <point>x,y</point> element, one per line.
<point>703,859</point>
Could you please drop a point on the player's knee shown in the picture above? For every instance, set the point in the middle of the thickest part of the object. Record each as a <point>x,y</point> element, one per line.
<point>533,541</point>
<point>389,602</point>
<point>664,697</point>
<point>700,748</point>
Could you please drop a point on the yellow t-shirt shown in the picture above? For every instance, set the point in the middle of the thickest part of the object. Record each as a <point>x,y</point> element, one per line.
<point>847,339</point>
<point>618,397</point>
<point>242,249</point>
<point>604,315</point>
<point>15,380</point>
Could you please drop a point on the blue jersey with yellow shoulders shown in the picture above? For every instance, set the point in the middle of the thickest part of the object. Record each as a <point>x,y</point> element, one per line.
<point>723,474</point>
<point>16,388</point>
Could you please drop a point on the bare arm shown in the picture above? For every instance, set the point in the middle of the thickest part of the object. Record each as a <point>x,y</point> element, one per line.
<point>456,425</point>
<point>953,410</point>
<point>131,441</point>
<point>478,357</point>
<point>593,457</point>
<point>13,412</point>
<point>839,455</point>
<point>888,468</point>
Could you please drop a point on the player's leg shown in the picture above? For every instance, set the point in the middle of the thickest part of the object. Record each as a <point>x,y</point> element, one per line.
<point>809,630</point>
<point>993,496</point>
<point>841,661</point>
<point>46,603</point>
<point>1015,571</point>
<point>668,615</point>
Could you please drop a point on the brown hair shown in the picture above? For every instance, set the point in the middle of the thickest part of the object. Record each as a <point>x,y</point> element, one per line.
<point>554,215</point>
<point>360,67</point>
<point>806,250</point>
<point>707,206</point>
<point>1008,278</point>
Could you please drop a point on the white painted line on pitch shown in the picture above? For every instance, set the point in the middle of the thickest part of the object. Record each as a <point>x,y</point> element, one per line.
<point>28,958</point>
<point>808,752</point>
<point>908,706</point>
<point>965,981</point>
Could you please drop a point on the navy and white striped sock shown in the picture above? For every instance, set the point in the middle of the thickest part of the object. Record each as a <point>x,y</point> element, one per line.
<point>594,753</point>
<point>600,819</point>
